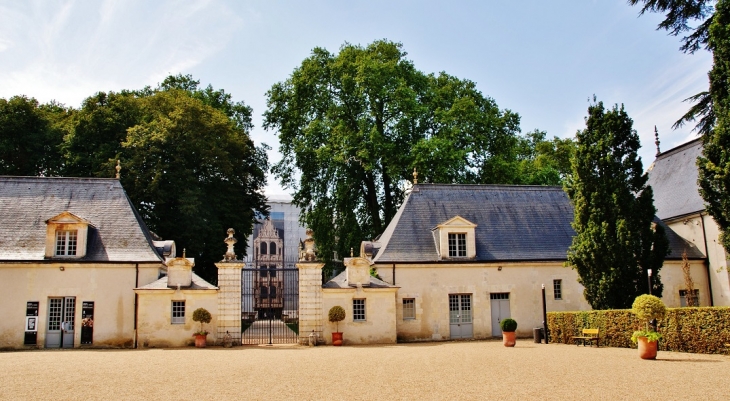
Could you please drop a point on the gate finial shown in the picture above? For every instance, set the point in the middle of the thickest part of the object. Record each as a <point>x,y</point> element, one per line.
<point>230,241</point>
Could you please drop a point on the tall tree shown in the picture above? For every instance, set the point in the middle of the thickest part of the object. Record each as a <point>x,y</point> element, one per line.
<point>680,14</point>
<point>352,127</point>
<point>178,157</point>
<point>30,135</point>
<point>714,164</point>
<point>616,242</point>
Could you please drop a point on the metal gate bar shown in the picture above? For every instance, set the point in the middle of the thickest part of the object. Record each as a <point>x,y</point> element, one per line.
<point>269,303</point>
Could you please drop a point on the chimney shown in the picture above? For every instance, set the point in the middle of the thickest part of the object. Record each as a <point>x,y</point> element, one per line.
<point>180,272</point>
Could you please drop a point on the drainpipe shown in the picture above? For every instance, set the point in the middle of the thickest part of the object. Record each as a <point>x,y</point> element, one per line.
<point>136,301</point>
<point>707,262</point>
<point>393,273</point>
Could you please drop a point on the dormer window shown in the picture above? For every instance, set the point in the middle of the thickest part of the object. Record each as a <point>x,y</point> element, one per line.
<point>457,245</point>
<point>66,242</point>
<point>454,239</point>
<point>66,236</point>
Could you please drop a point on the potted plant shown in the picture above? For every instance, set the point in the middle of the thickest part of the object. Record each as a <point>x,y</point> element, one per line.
<point>508,327</point>
<point>203,316</point>
<point>646,308</point>
<point>336,315</point>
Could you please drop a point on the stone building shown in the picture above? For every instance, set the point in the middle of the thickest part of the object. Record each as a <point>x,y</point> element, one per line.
<point>71,252</point>
<point>673,177</point>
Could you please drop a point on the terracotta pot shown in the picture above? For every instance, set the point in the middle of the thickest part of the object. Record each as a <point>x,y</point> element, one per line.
<point>200,340</point>
<point>647,349</point>
<point>337,339</point>
<point>509,338</point>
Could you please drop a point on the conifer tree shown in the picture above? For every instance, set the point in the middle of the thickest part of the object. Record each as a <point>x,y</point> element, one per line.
<point>714,165</point>
<point>616,241</point>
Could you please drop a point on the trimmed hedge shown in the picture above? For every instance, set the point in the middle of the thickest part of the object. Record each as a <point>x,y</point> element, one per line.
<point>703,330</point>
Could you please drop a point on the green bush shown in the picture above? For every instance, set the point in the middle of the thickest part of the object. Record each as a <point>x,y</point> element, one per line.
<point>203,316</point>
<point>703,330</point>
<point>647,307</point>
<point>336,315</point>
<point>508,325</point>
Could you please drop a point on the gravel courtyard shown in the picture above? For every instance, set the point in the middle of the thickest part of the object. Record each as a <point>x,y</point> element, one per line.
<point>447,370</point>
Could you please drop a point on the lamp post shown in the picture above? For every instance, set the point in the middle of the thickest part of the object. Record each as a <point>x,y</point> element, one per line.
<point>649,277</point>
<point>544,315</point>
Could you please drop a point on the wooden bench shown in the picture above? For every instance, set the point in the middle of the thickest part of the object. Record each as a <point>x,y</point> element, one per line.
<point>589,335</point>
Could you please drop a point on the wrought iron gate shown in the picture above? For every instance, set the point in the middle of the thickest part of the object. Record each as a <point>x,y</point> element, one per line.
<point>269,303</point>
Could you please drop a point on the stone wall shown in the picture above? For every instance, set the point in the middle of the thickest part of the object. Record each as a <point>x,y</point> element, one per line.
<point>310,301</point>
<point>229,301</point>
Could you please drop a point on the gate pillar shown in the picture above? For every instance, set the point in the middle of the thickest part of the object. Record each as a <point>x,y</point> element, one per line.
<point>229,293</point>
<point>310,300</point>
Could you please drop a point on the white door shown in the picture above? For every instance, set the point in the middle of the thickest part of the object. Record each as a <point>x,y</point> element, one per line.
<point>60,328</point>
<point>500,310</point>
<point>460,321</point>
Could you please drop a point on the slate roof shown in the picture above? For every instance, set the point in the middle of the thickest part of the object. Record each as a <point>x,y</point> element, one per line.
<point>673,177</point>
<point>116,234</point>
<point>197,284</point>
<point>514,223</point>
<point>340,281</point>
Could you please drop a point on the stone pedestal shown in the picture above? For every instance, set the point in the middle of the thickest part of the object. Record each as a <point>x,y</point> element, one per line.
<point>229,300</point>
<point>310,301</point>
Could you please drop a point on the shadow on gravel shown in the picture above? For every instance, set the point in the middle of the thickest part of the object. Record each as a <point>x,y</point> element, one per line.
<point>688,360</point>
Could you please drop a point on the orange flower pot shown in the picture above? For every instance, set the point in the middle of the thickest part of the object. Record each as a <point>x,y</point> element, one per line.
<point>647,349</point>
<point>509,338</point>
<point>337,339</point>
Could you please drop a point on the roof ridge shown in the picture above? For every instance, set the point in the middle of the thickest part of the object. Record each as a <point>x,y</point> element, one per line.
<point>677,148</point>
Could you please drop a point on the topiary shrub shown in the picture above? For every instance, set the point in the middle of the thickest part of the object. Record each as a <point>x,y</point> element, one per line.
<point>336,315</point>
<point>646,308</point>
<point>508,325</point>
<point>203,316</point>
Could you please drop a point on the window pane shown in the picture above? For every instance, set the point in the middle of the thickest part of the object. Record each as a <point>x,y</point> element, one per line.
<point>409,308</point>
<point>358,310</point>
<point>457,245</point>
<point>178,312</point>
<point>66,242</point>
<point>558,289</point>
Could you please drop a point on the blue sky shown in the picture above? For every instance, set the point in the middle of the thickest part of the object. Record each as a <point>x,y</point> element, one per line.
<point>541,59</point>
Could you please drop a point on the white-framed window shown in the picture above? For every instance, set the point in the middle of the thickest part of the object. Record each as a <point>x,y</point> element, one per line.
<point>178,312</point>
<point>409,308</point>
<point>66,242</point>
<point>558,289</point>
<point>457,245</point>
<point>358,310</point>
<point>683,298</point>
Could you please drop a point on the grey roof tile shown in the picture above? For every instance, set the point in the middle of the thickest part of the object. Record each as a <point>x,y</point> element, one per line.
<point>117,234</point>
<point>340,281</point>
<point>197,284</point>
<point>673,177</point>
<point>514,223</point>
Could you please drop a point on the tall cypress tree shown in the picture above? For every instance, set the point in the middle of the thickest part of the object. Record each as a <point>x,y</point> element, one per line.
<point>616,241</point>
<point>714,165</point>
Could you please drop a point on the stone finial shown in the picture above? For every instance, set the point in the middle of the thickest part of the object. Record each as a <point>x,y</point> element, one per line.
<point>183,253</point>
<point>230,241</point>
<point>119,168</point>
<point>415,176</point>
<point>656,141</point>
<point>307,249</point>
<point>352,253</point>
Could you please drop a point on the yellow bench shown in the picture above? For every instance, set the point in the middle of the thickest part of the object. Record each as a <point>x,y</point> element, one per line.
<point>589,335</point>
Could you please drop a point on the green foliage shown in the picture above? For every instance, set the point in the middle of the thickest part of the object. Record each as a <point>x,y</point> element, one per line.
<point>203,316</point>
<point>178,146</point>
<point>336,315</point>
<point>616,242</point>
<point>651,336</point>
<point>30,136</point>
<point>699,330</point>
<point>508,325</point>
<point>714,164</point>
<point>352,126</point>
<point>680,14</point>
<point>648,307</point>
